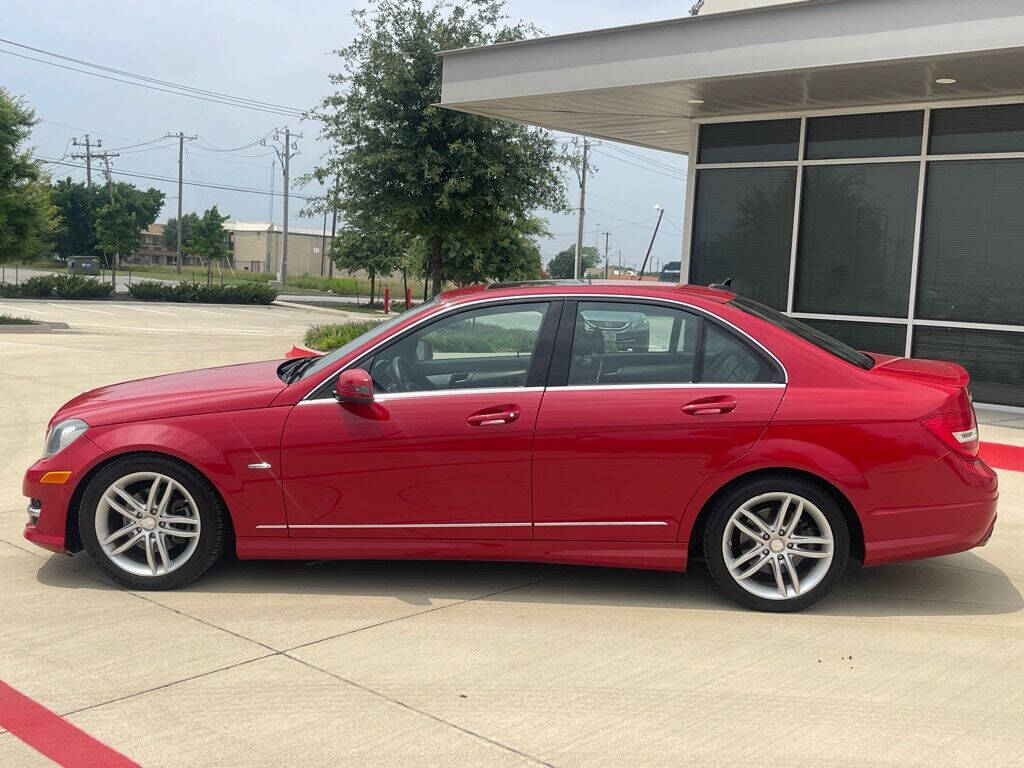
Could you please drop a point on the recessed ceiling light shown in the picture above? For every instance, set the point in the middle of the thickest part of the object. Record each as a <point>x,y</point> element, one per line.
<point>695,101</point>
<point>659,131</point>
<point>945,80</point>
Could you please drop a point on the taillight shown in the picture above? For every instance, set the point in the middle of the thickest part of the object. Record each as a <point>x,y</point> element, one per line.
<point>958,430</point>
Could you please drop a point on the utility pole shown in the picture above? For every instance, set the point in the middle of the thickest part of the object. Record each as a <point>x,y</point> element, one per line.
<point>606,236</point>
<point>88,144</point>
<point>270,215</point>
<point>583,199</point>
<point>334,223</point>
<point>180,136</point>
<point>661,212</point>
<point>285,152</point>
<point>104,157</point>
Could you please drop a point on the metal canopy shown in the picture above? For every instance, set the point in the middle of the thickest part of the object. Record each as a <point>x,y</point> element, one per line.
<point>634,84</point>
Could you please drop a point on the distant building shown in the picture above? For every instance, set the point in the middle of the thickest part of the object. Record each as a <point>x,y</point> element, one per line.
<point>256,247</point>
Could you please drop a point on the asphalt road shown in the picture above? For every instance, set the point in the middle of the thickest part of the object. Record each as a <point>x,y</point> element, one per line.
<point>435,664</point>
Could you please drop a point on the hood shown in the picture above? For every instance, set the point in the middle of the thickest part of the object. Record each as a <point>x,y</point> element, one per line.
<point>209,390</point>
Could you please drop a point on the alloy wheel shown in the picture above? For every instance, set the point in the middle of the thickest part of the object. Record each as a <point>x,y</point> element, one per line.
<point>778,546</point>
<point>147,524</point>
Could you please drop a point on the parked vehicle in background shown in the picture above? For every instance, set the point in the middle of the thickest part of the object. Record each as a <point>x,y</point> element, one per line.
<point>514,422</point>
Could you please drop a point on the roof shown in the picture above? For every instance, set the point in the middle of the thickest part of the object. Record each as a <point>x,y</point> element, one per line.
<point>624,288</point>
<point>637,84</point>
<point>155,229</point>
<point>266,226</point>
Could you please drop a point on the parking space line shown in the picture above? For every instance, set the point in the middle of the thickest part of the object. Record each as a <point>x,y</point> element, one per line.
<point>154,311</point>
<point>211,312</point>
<point>23,309</point>
<point>82,309</point>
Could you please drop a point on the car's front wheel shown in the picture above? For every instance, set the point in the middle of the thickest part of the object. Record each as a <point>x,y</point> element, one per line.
<point>151,523</point>
<point>777,543</point>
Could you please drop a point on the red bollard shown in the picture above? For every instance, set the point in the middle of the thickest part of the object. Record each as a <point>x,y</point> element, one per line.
<point>387,300</point>
<point>408,298</point>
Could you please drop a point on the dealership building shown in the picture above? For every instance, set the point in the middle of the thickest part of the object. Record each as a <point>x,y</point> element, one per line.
<point>856,163</point>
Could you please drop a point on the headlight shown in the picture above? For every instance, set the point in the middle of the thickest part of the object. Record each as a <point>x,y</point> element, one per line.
<point>62,435</point>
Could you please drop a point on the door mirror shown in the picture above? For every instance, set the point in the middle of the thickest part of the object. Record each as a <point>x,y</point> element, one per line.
<point>354,386</point>
<point>424,350</point>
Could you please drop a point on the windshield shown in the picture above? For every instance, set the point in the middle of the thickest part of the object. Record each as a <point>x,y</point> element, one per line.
<point>378,330</point>
<point>821,340</point>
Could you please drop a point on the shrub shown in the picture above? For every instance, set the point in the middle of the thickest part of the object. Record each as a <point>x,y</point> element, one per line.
<point>243,293</point>
<point>325,338</point>
<point>10,320</point>
<point>59,286</point>
<point>464,337</point>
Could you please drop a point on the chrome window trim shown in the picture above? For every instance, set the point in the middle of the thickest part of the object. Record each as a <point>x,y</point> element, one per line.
<point>539,297</point>
<point>699,385</point>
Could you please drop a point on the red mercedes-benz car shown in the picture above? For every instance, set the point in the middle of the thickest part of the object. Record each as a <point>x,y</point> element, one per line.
<point>507,423</point>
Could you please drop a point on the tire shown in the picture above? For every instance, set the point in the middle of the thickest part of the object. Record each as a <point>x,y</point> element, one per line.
<point>761,576</point>
<point>143,540</point>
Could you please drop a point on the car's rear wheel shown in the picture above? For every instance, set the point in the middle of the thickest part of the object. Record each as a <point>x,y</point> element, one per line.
<point>777,543</point>
<point>151,523</point>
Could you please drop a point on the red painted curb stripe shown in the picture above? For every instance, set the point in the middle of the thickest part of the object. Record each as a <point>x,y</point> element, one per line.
<point>54,736</point>
<point>1003,456</point>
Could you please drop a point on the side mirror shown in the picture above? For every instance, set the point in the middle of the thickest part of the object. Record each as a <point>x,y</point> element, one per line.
<point>424,350</point>
<point>354,386</point>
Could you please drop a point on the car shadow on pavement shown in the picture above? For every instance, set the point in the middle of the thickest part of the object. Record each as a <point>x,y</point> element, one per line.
<point>963,584</point>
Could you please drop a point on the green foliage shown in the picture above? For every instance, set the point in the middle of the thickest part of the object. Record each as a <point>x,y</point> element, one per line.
<point>58,286</point>
<point>563,264</point>
<point>120,222</point>
<point>433,175</point>
<point>339,285</point>
<point>243,293</point>
<point>10,320</point>
<point>27,217</point>
<point>209,240</point>
<point>324,338</point>
<point>510,255</point>
<point>77,205</point>
<point>482,338</point>
<point>170,238</point>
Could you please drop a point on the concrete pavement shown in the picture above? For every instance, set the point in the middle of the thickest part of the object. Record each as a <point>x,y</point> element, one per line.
<point>411,663</point>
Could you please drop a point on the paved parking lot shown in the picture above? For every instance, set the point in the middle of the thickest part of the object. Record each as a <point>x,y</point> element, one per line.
<point>434,664</point>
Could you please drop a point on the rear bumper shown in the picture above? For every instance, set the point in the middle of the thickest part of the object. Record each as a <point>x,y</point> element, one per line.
<point>965,519</point>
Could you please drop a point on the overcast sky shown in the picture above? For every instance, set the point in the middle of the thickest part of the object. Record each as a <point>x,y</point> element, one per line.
<point>280,53</point>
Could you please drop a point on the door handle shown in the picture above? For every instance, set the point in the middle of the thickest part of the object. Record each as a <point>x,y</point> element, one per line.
<point>710,406</point>
<point>502,414</point>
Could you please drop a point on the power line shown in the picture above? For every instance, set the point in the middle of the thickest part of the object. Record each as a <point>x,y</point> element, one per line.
<point>677,177</point>
<point>657,163</point>
<point>209,185</point>
<point>255,103</point>
<point>151,87</point>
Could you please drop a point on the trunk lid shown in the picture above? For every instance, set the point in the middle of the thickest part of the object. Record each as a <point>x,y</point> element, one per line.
<point>937,372</point>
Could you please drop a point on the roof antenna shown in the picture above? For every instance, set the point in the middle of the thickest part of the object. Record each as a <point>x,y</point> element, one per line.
<point>725,285</point>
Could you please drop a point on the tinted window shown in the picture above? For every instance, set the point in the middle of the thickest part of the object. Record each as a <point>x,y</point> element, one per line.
<point>743,229</point>
<point>978,129</point>
<point>887,338</point>
<point>807,333</point>
<point>628,343</point>
<point>487,347</point>
<point>993,358</point>
<point>887,134</point>
<point>760,141</point>
<point>972,248</point>
<point>727,360</point>
<point>856,239</point>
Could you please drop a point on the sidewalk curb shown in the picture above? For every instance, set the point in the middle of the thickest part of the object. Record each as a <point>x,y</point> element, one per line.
<point>37,326</point>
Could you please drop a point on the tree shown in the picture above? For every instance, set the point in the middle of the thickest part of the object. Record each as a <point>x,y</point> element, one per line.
<point>563,265</point>
<point>439,175</point>
<point>369,247</point>
<point>510,255</point>
<point>208,239</point>
<point>188,221</point>
<point>27,217</point>
<point>77,205</point>
<point>120,222</point>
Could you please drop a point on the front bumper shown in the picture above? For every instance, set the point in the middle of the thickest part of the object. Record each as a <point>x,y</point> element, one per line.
<point>49,502</point>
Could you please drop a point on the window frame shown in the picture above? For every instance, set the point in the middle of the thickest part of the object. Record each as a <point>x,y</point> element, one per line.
<point>536,374</point>
<point>911,321</point>
<point>561,356</point>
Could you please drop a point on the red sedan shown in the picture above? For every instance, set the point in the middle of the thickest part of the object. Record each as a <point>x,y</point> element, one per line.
<point>634,425</point>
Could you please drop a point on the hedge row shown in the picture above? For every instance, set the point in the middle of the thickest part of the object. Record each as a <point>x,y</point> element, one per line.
<point>58,286</point>
<point>242,293</point>
<point>325,338</point>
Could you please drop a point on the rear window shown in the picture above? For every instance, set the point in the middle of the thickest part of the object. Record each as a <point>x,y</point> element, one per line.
<point>821,340</point>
